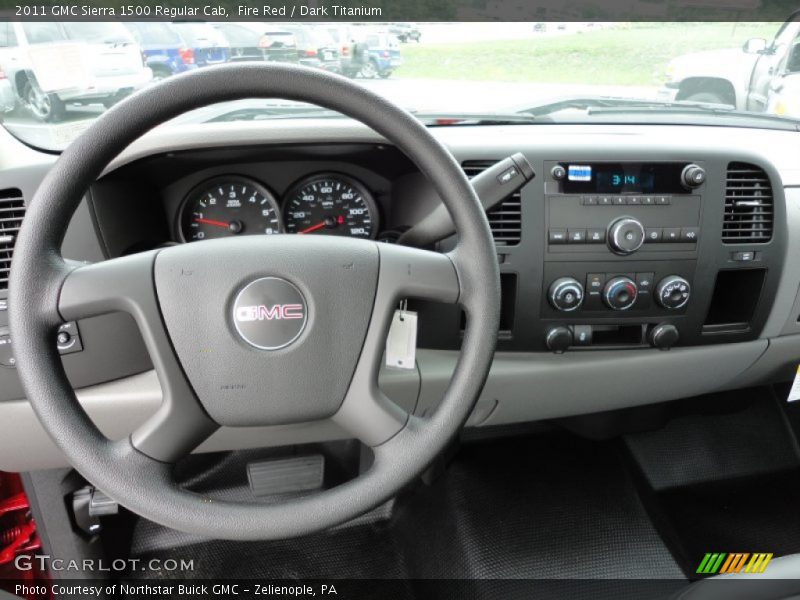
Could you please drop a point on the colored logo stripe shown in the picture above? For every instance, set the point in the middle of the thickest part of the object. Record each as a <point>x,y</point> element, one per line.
<point>758,563</point>
<point>710,563</point>
<point>734,562</point>
<point>723,562</point>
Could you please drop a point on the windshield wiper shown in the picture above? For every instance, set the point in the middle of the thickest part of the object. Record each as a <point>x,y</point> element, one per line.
<point>434,119</point>
<point>611,104</point>
<point>281,112</point>
<point>604,106</point>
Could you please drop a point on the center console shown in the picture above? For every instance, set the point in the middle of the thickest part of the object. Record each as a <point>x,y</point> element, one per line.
<point>621,258</point>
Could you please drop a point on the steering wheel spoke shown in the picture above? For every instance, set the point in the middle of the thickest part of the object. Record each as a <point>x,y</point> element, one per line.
<point>126,285</point>
<point>413,273</point>
<point>404,273</point>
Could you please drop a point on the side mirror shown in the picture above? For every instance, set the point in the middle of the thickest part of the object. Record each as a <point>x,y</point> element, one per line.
<point>755,46</point>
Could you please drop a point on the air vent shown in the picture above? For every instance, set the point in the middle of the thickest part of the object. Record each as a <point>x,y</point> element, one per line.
<point>505,219</point>
<point>748,205</point>
<point>12,209</point>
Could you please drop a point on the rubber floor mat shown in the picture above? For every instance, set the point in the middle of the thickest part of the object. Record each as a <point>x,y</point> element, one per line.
<point>548,506</point>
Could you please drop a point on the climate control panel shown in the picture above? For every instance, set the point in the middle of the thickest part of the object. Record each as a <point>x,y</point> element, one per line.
<point>619,292</point>
<point>612,290</point>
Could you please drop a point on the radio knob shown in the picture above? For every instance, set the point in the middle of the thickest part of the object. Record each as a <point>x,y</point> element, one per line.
<point>620,293</point>
<point>558,172</point>
<point>673,292</point>
<point>693,176</point>
<point>625,235</point>
<point>566,294</point>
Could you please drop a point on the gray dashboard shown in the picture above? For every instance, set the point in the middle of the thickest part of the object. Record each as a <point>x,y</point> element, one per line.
<point>527,382</point>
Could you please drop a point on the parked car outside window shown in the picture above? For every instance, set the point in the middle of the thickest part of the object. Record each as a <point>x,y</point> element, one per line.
<point>52,65</point>
<point>259,42</point>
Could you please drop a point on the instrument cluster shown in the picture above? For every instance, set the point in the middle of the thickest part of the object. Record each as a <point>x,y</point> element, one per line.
<point>320,204</point>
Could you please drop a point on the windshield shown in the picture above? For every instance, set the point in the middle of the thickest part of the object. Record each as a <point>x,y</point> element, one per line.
<point>448,74</point>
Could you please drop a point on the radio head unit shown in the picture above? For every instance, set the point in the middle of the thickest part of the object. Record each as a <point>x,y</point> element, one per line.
<point>624,178</point>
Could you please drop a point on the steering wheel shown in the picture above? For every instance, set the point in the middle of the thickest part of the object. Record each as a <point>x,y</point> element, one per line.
<point>254,330</point>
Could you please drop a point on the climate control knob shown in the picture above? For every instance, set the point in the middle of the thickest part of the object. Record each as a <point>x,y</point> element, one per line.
<point>620,293</point>
<point>566,294</point>
<point>625,235</point>
<point>673,292</point>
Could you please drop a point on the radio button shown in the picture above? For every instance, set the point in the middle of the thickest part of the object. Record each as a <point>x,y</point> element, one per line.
<point>644,281</point>
<point>595,283</point>
<point>663,200</point>
<point>635,200</point>
<point>690,234</point>
<point>648,200</point>
<point>595,236</point>
<point>620,200</point>
<point>604,201</point>
<point>590,200</point>
<point>652,235</point>
<point>576,236</point>
<point>582,335</point>
<point>671,234</point>
<point>557,236</point>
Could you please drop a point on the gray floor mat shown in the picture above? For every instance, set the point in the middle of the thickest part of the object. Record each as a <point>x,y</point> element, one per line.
<point>695,449</point>
<point>546,507</point>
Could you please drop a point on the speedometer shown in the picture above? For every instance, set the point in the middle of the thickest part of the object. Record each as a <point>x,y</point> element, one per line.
<point>331,204</point>
<point>228,206</point>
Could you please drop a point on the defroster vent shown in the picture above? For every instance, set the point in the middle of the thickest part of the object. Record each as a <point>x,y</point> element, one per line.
<point>12,209</point>
<point>505,219</point>
<point>749,207</point>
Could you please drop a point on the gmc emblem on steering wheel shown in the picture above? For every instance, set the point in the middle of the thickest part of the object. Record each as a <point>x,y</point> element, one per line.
<point>269,313</point>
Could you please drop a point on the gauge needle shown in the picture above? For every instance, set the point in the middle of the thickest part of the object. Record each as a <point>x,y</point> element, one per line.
<point>313,228</point>
<point>212,222</point>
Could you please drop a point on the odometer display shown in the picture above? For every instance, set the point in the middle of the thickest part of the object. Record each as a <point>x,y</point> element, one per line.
<point>330,204</point>
<point>229,206</point>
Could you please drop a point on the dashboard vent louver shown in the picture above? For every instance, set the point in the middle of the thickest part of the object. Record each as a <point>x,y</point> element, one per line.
<point>505,219</point>
<point>748,205</point>
<point>12,209</point>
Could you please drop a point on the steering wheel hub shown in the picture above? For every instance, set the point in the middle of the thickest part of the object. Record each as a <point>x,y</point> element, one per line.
<point>270,313</point>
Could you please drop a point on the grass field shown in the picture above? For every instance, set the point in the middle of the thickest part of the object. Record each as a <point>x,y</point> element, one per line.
<point>637,55</point>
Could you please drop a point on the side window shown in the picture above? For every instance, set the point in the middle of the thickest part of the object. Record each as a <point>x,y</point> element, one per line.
<point>42,33</point>
<point>793,57</point>
<point>137,35</point>
<point>236,34</point>
<point>4,29</point>
<point>8,38</point>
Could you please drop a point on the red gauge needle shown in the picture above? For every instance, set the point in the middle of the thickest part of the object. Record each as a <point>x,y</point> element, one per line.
<point>212,222</point>
<point>312,228</point>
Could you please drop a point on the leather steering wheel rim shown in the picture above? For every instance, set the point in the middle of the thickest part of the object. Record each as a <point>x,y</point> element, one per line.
<point>45,290</point>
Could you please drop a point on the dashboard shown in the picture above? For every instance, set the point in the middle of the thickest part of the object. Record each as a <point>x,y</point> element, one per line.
<point>641,264</point>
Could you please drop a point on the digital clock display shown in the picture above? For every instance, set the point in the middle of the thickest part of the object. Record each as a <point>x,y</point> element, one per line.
<point>622,178</point>
<point>613,180</point>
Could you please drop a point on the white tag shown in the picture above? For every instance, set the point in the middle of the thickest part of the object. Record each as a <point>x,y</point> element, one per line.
<point>794,393</point>
<point>401,343</point>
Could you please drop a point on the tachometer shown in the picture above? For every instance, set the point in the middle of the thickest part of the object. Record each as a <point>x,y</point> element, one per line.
<point>227,206</point>
<point>331,204</point>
